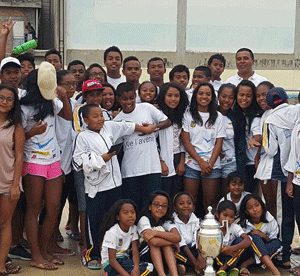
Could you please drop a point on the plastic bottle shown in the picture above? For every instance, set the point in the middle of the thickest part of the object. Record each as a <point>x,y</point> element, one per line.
<point>25,47</point>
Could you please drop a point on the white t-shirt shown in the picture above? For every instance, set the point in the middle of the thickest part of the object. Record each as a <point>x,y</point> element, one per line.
<point>187,231</point>
<point>144,223</point>
<point>234,231</point>
<point>21,93</point>
<point>236,79</point>
<point>43,148</point>
<point>238,204</point>
<point>140,152</point>
<point>203,138</point>
<point>116,82</point>
<point>115,238</point>
<point>254,130</point>
<point>216,84</point>
<point>65,136</point>
<point>228,147</point>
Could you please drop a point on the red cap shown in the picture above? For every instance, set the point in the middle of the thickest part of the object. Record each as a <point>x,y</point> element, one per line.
<point>92,85</point>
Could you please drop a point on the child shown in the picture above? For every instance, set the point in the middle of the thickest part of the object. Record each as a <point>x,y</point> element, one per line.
<point>247,114</point>
<point>159,233</point>
<point>263,230</point>
<point>65,136</point>
<point>200,74</point>
<point>226,97</point>
<point>180,75</point>
<point>113,61</point>
<point>77,69</point>
<point>147,92</point>
<point>102,176</point>
<point>156,68</point>
<point>188,225</point>
<point>235,240</point>
<point>141,170</point>
<point>54,57</point>
<point>12,139</point>
<point>202,137</point>
<point>269,186</point>
<point>118,233</point>
<point>216,64</point>
<point>172,101</point>
<point>27,65</point>
<point>132,71</point>
<point>277,131</point>
<point>92,94</point>
<point>109,101</point>
<point>41,168</point>
<point>236,186</point>
<point>94,72</point>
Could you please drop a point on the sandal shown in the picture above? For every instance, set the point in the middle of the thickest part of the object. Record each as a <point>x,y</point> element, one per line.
<point>94,265</point>
<point>12,269</point>
<point>233,272</point>
<point>64,251</point>
<point>244,272</point>
<point>221,272</point>
<point>46,266</point>
<point>295,270</point>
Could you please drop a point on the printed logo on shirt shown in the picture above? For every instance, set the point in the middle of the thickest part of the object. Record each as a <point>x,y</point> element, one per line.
<point>120,242</point>
<point>193,124</point>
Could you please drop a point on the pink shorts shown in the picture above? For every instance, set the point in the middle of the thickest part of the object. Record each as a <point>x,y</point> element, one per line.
<point>48,171</point>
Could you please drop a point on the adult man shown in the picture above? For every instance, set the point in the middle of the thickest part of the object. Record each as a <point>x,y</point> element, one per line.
<point>244,61</point>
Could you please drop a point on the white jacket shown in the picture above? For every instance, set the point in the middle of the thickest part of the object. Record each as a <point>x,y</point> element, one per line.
<point>293,164</point>
<point>277,129</point>
<point>91,144</point>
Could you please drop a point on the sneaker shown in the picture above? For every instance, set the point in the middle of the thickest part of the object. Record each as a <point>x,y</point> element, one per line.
<point>19,252</point>
<point>24,243</point>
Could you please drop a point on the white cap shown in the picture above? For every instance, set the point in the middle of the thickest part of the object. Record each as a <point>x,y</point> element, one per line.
<point>7,60</point>
<point>46,80</point>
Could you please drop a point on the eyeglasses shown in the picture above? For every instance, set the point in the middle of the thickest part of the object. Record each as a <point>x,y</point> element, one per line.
<point>8,100</point>
<point>69,84</point>
<point>157,205</point>
<point>97,74</point>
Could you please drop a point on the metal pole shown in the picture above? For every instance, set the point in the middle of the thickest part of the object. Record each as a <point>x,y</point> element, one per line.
<point>181,30</point>
<point>297,31</point>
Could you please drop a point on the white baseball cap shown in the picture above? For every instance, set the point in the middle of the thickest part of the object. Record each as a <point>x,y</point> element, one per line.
<point>46,80</point>
<point>8,60</point>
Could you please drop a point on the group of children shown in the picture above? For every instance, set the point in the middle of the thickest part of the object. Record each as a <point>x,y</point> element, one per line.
<point>110,144</point>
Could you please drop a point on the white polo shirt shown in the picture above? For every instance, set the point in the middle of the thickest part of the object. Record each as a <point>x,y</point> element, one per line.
<point>255,78</point>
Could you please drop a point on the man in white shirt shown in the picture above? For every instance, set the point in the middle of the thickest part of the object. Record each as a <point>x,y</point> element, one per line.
<point>113,61</point>
<point>244,61</point>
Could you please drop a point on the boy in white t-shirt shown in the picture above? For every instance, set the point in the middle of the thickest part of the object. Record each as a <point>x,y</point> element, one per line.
<point>113,61</point>
<point>141,170</point>
<point>216,64</point>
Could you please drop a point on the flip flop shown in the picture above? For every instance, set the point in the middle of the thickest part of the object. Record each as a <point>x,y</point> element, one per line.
<point>46,266</point>
<point>64,251</point>
<point>12,269</point>
<point>94,265</point>
<point>244,272</point>
<point>73,236</point>
<point>56,260</point>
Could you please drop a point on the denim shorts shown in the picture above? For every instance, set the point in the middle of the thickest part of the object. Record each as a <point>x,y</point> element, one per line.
<point>194,174</point>
<point>227,168</point>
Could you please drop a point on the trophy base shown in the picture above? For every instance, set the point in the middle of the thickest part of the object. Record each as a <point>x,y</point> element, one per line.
<point>209,270</point>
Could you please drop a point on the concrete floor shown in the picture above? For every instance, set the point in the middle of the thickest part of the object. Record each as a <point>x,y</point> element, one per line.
<point>73,266</point>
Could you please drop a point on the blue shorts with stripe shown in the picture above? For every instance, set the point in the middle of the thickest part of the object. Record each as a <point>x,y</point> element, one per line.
<point>127,264</point>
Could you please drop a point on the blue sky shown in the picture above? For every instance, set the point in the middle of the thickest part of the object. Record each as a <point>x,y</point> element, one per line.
<point>212,25</point>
